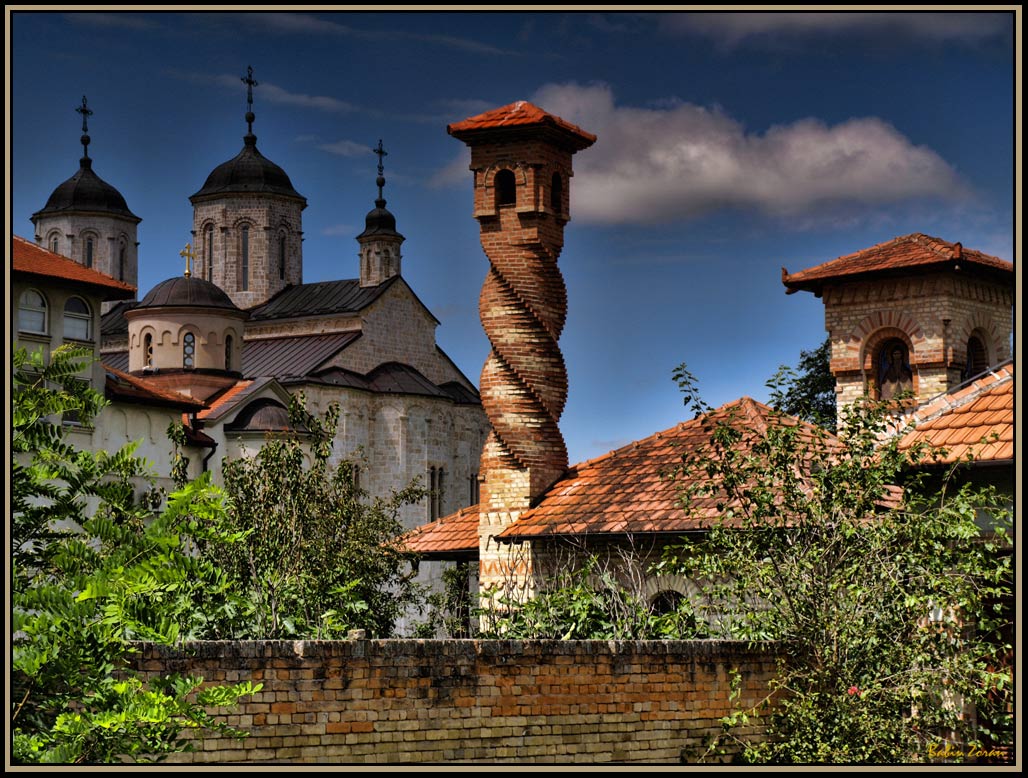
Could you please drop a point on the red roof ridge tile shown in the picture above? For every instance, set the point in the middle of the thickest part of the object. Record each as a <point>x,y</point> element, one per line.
<point>963,394</point>
<point>30,258</point>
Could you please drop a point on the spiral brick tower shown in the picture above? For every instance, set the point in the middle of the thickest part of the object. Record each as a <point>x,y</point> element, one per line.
<point>521,159</point>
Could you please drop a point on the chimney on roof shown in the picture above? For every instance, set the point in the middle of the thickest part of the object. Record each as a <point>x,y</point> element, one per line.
<point>521,160</point>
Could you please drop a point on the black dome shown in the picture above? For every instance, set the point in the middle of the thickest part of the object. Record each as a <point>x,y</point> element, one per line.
<point>379,221</point>
<point>187,291</point>
<point>250,172</point>
<point>86,191</point>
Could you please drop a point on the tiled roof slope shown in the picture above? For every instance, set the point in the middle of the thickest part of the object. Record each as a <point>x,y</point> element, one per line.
<point>519,114</point>
<point>230,395</point>
<point>909,251</point>
<point>129,388</point>
<point>974,419</point>
<point>322,297</point>
<point>27,257</point>
<point>448,538</point>
<point>293,356</point>
<point>626,491</point>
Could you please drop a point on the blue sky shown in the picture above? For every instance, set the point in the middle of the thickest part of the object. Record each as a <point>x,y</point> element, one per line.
<point>730,144</point>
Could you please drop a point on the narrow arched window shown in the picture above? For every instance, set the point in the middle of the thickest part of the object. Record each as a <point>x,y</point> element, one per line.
<point>208,250</point>
<point>148,350</point>
<point>506,188</point>
<point>121,262</point>
<point>893,368</point>
<point>78,320</point>
<point>244,258</point>
<point>54,243</point>
<point>977,357</point>
<point>32,312</point>
<point>228,352</point>
<point>89,252</point>
<point>557,193</point>
<point>188,349</point>
<point>282,257</point>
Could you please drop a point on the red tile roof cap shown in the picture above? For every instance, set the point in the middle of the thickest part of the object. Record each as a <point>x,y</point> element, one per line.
<point>519,114</point>
<point>27,257</point>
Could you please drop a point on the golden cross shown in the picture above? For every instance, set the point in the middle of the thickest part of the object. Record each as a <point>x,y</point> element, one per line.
<point>188,253</point>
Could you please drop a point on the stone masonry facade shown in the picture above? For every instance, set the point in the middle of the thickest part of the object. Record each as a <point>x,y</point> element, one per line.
<point>397,701</point>
<point>934,314</point>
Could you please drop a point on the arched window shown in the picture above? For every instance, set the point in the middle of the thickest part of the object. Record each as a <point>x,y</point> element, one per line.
<point>121,262</point>
<point>244,258</point>
<point>89,252</point>
<point>188,349</point>
<point>78,320</point>
<point>54,243</point>
<point>228,352</point>
<point>208,252</point>
<point>977,357</point>
<point>557,193</point>
<point>148,350</point>
<point>506,188</point>
<point>893,369</point>
<point>665,602</point>
<point>32,312</point>
<point>282,257</point>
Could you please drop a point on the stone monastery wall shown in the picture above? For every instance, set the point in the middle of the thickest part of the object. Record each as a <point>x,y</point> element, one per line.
<point>394,701</point>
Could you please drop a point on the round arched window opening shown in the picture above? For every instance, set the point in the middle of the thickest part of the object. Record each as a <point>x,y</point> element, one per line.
<point>665,602</point>
<point>557,193</point>
<point>977,357</point>
<point>506,188</point>
<point>148,350</point>
<point>188,349</point>
<point>228,352</point>
<point>893,373</point>
<point>32,312</point>
<point>78,320</point>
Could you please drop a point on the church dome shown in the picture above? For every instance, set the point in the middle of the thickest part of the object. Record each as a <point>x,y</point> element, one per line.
<point>86,191</point>
<point>379,221</point>
<point>248,172</point>
<point>186,291</point>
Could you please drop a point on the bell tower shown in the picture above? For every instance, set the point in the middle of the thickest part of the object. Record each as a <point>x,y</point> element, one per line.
<point>521,160</point>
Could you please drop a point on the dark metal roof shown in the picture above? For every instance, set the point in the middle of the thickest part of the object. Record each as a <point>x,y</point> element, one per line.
<point>460,393</point>
<point>323,297</point>
<point>248,172</point>
<point>187,292</point>
<point>114,322</point>
<point>395,378</point>
<point>119,360</point>
<point>292,357</point>
<point>263,415</point>
<point>86,191</point>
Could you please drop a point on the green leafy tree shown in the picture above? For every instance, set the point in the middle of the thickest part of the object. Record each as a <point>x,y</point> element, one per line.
<point>887,602</point>
<point>316,555</point>
<point>91,572</point>
<point>808,391</point>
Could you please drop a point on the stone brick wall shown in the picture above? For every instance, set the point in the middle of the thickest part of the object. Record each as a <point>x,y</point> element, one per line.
<point>400,701</point>
<point>934,313</point>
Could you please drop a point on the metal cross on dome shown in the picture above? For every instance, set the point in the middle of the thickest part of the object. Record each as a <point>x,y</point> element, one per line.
<point>250,82</point>
<point>381,152</point>
<point>86,113</point>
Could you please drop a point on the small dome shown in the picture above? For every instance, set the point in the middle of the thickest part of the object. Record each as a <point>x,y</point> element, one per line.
<point>379,221</point>
<point>186,291</point>
<point>86,191</point>
<point>248,172</point>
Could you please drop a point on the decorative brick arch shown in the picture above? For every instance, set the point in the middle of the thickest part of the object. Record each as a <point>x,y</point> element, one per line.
<point>518,169</point>
<point>880,326</point>
<point>655,584</point>
<point>985,328</point>
<point>869,351</point>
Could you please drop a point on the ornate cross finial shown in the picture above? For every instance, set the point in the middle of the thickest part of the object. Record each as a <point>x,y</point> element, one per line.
<point>189,255</point>
<point>86,113</point>
<point>381,152</point>
<point>248,79</point>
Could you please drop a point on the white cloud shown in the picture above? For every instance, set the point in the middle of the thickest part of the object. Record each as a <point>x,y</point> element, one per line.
<point>339,229</point>
<point>733,28</point>
<point>456,173</point>
<point>346,148</point>
<point>658,164</point>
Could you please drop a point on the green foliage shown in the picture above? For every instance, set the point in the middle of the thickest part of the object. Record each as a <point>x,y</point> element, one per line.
<point>314,555</point>
<point>449,610</point>
<point>888,603</point>
<point>90,572</point>
<point>808,391</point>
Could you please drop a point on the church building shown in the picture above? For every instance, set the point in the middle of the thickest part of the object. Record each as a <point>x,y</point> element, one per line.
<point>225,344</point>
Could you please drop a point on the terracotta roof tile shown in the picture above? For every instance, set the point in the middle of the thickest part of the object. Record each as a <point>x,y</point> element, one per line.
<point>520,114</point>
<point>27,257</point>
<point>454,536</point>
<point>975,419</point>
<point>228,396</point>
<point>130,388</point>
<point>909,251</point>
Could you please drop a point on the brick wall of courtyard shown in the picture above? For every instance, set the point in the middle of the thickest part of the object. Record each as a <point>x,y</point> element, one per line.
<point>389,701</point>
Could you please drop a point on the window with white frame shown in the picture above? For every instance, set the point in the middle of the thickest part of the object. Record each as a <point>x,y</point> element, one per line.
<point>32,312</point>
<point>78,320</point>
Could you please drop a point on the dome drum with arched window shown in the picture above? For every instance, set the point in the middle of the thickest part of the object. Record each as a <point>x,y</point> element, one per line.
<point>185,324</point>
